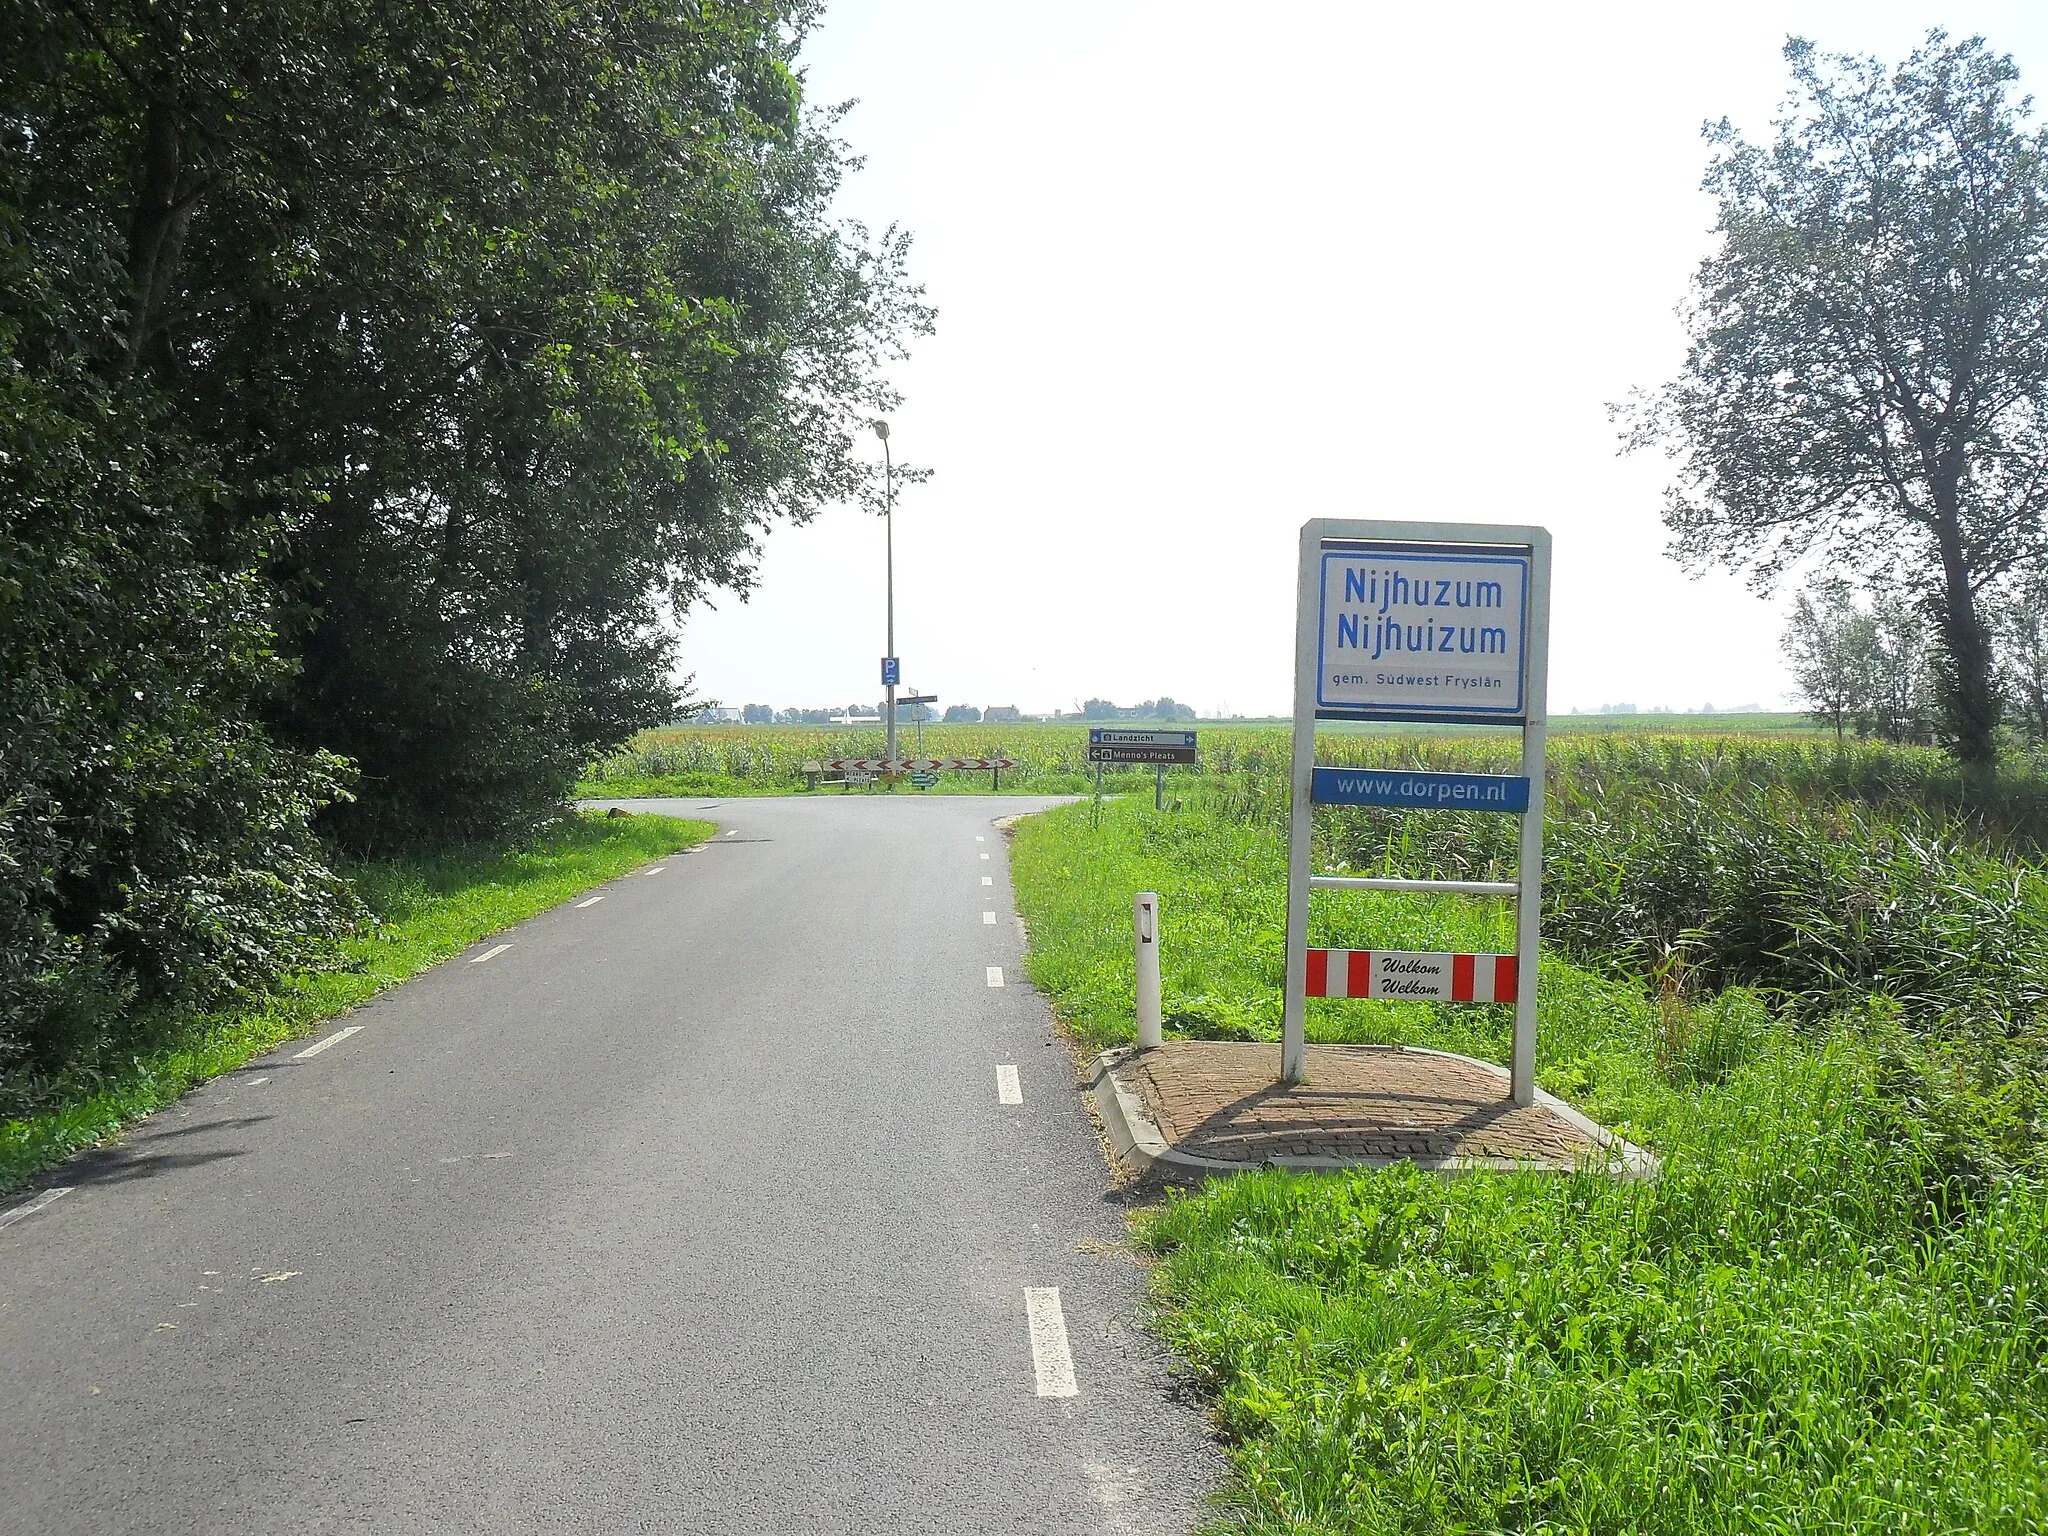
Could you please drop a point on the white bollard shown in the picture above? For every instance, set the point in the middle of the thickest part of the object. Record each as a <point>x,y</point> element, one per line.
<point>1147,921</point>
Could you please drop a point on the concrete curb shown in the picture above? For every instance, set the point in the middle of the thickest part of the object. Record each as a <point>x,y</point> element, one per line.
<point>1142,1147</point>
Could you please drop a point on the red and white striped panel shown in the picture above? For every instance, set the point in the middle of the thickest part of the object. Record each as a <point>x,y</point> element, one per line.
<point>918,764</point>
<point>1399,973</point>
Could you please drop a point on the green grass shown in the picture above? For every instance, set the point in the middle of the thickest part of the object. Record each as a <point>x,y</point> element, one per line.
<point>1802,1326</point>
<point>425,910</point>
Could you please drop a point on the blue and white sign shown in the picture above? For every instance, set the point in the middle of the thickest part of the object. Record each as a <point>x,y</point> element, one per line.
<point>1411,631</point>
<point>892,671</point>
<point>1412,620</point>
<point>1415,790</point>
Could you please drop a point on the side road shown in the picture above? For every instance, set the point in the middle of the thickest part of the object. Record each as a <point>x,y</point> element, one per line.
<point>702,1204</point>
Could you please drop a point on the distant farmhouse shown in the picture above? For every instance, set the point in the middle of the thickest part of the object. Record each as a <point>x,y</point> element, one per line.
<point>997,714</point>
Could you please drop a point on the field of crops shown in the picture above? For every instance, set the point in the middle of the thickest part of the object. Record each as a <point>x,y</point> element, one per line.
<point>737,760</point>
<point>1816,983</point>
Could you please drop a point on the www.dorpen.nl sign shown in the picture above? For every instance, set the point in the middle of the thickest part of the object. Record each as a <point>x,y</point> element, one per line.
<point>1416,790</point>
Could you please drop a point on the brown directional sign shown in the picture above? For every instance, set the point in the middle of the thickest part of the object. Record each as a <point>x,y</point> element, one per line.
<point>1171,749</point>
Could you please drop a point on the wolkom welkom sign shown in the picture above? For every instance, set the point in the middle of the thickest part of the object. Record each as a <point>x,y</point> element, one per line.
<point>1438,622</point>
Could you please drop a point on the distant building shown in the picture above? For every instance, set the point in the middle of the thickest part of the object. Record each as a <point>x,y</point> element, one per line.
<point>721,714</point>
<point>998,713</point>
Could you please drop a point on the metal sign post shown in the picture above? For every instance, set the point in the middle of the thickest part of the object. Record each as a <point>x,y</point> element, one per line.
<point>1441,622</point>
<point>918,701</point>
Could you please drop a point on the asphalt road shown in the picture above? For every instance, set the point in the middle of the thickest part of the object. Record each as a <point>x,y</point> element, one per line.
<point>693,1210</point>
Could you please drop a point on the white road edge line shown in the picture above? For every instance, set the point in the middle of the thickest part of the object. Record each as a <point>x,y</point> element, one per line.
<point>989,918</point>
<point>978,837</point>
<point>988,880</point>
<point>995,975</point>
<point>29,1207</point>
<point>657,869</point>
<point>1051,1361</point>
<point>1008,1089</point>
<point>735,832</point>
<point>984,856</point>
<point>590,903</point>
<point>334,1039</point>
<point>490,954</point>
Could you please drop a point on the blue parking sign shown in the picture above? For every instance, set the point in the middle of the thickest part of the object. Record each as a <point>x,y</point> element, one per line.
<point>892,671</point>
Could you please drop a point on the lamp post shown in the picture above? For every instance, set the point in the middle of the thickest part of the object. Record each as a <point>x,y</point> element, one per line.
<point>889,579</point>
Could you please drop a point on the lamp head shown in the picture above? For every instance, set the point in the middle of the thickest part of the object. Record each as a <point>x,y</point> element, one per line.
<point>882,430</point>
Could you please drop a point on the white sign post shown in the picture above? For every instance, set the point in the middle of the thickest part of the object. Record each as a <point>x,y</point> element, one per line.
<point>1438,622</point>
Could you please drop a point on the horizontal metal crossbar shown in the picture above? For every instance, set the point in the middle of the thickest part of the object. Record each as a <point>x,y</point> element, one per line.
<point>1379,883</point>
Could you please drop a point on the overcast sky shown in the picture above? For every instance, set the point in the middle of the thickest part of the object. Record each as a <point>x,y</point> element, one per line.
<point>1204,271</point>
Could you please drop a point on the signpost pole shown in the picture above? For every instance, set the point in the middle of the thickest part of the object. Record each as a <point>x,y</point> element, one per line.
<point>889,577</point>
<point>1529,864</point>
<point>1159,787</point>
<point>1294,1008</point>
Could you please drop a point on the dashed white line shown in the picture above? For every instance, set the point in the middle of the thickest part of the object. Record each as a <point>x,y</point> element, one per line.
<point>984,858</point>
<point>988,880</point>
<point>995,975</point>
<point>1008,1089</point>
<point>590,903</point>
<point>979,838</point>
<point>657,869</point>
<point>989,918</point>
<point>735,832</point>
<point>492,953</point>
<point>1051,1361</point>
<point>29,1207</point>
<point>334,1039</point>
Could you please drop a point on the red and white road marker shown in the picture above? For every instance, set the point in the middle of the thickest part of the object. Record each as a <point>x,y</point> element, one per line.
<point>1396,974</point>
<point>918,764</point>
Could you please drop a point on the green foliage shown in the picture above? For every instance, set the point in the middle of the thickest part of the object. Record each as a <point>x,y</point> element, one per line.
<point>509,327</point>
<point>377,384</point>
<point>155,845</point>
<point>1830,1312</point>
<point>1868,375</point>
<point>1753,1343</point>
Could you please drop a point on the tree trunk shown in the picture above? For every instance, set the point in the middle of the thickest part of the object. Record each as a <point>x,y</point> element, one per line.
<point>1973,700</point>
<point>156,230</point>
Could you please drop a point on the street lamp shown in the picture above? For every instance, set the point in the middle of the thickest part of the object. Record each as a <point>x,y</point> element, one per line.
<point>889,546</point>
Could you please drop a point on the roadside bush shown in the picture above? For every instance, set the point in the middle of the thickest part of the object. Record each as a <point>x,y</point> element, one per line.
<point>1816,876</point>
<point>155,846</point>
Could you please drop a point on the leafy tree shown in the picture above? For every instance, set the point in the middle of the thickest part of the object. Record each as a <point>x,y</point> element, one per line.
<point>962,714</point>
<point>1868,376</point>
<point>758,714</point>
<point>156,847</point>
<point>1901,684</point>
<point>531,315</point>
<point>382,381</point>
<point>1828,645</point>
<point>1099,709</point>
<point>2020,624</point>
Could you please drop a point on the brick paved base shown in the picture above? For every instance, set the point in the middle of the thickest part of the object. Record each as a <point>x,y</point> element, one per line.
<point>1219,1100</point>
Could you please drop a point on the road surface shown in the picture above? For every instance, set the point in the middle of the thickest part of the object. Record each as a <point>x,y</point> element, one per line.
<point>694,1209</point>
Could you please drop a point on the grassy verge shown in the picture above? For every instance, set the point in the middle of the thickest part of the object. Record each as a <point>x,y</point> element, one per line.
<point>1782,1334</point>
<point>426,910</point>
